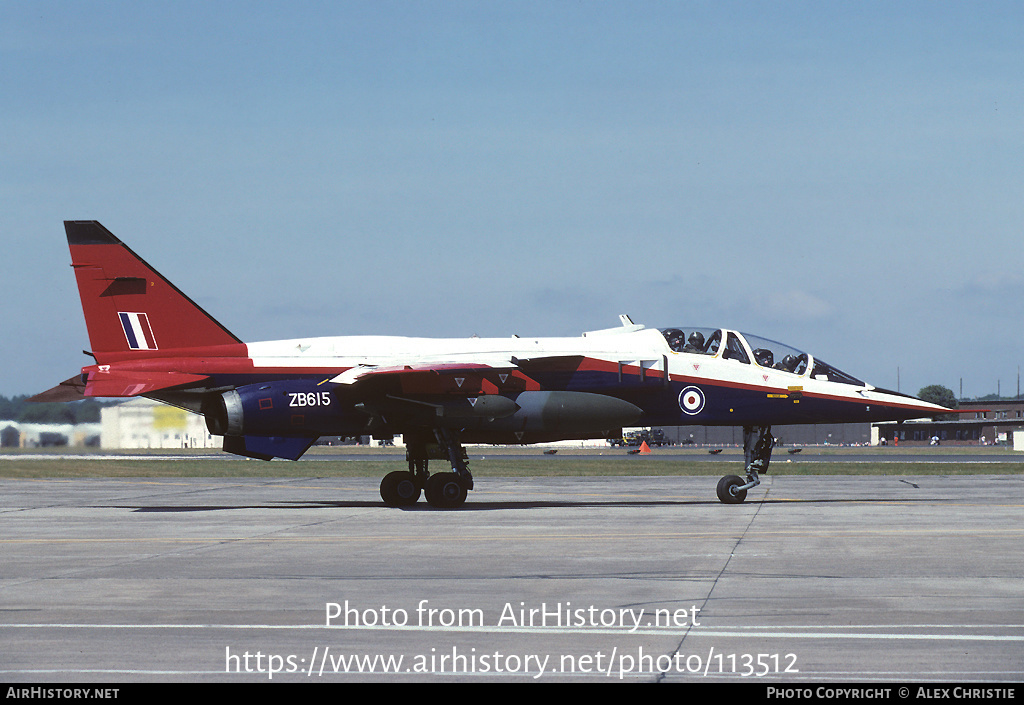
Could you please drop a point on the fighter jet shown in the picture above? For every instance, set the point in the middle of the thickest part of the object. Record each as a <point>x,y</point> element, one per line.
<point>274,399</point>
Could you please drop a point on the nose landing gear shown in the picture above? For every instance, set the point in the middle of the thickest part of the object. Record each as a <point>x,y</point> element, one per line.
<point>757,454</point>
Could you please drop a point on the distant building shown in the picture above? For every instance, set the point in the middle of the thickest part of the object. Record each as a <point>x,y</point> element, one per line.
<point>984,423</point>
<point>10,436</point>
<point>143,423</point>
<point>14,434</point>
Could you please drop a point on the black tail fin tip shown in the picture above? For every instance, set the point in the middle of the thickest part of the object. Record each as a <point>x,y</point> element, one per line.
<point>89,232</point>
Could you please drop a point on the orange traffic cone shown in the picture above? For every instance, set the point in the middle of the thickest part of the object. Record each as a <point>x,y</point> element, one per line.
<point>644,448</point>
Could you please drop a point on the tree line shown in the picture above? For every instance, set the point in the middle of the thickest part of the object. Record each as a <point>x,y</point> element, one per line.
<point>18,408</point>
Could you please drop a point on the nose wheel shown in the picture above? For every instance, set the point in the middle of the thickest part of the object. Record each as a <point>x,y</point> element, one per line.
<point>731,489</point>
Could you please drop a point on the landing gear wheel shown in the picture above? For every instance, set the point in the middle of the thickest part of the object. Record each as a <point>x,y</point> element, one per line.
<point>445,490</point>
<point>727,490</point>
<point>399,489</point>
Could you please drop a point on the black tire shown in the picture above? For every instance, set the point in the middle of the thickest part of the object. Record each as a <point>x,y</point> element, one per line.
<point>726,490</point>
<point>399,489</point>
<point>445,490</point>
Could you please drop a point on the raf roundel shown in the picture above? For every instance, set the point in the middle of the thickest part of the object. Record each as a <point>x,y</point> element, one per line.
<point>691,400</point>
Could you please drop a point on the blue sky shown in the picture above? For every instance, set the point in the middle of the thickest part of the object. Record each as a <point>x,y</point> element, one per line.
<point>847,178</point>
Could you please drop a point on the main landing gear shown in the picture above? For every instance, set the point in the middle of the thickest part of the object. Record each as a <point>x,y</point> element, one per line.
<point>757,454</point>
<point>446,490</point>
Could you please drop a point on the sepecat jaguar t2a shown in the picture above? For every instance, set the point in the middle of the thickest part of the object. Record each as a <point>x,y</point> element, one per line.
<point>274,399</point>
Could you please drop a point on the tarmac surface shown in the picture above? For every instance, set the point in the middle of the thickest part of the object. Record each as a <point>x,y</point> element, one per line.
<point>868,579</point>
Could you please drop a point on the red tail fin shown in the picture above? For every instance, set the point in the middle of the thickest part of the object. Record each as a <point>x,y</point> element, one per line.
<point>129,307</point>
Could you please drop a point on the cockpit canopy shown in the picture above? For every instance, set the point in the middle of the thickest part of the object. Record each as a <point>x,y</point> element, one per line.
<point>751,349</point>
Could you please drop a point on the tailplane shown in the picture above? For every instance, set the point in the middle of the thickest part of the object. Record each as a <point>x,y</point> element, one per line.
<point>130,308</point>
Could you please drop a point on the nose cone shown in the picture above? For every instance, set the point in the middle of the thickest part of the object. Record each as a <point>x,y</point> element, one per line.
<point>888,405</point>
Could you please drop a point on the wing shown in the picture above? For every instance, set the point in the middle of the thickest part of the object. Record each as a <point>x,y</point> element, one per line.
<point>487,403</point>
<point>432,394</point>
<point>441,378</point>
